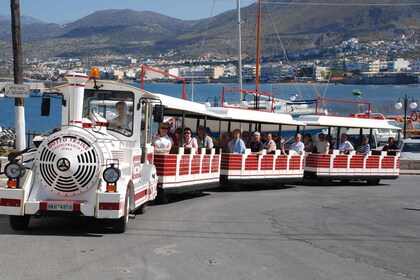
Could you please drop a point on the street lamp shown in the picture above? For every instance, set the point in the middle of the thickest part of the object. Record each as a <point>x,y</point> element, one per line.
<point>215,101</point>
<point>399,106</point>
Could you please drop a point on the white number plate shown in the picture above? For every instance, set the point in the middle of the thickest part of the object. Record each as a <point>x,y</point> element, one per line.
<point>59,206</point>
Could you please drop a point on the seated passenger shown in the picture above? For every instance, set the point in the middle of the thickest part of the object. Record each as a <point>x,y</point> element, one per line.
<point>123,122</point>
<point>345,146</point>
<point>298,146</point>
<point>236,145</point>
<point>391,145</point>
<point>203,140</point>
<point>307,142</point>
<point>364,149</point>
<point>162,142</point>
<point>322,146</point>
<point>270,144</point>
<point>189,141</point>
<point>256,145</point>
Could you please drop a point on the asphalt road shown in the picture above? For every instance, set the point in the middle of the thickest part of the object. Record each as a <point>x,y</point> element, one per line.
<point>299,232</point>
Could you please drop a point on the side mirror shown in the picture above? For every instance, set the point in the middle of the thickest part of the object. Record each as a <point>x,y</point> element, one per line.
<point>158,113</point>
<point>45,106</point>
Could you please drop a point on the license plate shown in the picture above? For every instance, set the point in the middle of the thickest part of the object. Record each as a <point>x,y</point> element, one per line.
<point>59,207</point>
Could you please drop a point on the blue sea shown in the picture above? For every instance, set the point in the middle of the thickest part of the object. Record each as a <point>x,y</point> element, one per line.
<point>381,97</point>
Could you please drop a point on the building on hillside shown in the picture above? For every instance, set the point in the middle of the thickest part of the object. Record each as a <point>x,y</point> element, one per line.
<point>415,66</point>
<point>321,74</point>
<point>399,65</point>
<point>213,72</point>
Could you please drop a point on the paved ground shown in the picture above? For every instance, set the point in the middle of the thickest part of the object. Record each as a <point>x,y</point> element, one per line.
<point>299,232</point>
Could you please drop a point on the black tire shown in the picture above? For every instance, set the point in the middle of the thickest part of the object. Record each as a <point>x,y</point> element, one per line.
<point>373,181</point>
<point>120,225</point>
<point>19,222</point>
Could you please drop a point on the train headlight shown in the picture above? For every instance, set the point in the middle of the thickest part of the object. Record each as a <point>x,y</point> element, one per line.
<point>111,174</point>
<point>14,170</point>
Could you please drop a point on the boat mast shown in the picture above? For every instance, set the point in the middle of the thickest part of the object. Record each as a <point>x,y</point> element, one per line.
<point>257,57</point>
<point>238,7</point>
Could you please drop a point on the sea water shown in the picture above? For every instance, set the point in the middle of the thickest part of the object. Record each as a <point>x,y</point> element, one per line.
<point>381,97</point>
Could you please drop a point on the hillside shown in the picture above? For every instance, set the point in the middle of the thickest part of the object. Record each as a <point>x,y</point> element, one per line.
<point>299,26</point>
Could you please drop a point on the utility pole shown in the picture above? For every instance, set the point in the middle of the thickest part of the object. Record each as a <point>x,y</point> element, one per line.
<point>18,74</point>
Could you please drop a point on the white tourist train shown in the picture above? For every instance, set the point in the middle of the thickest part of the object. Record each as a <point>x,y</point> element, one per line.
<point>97,165</point>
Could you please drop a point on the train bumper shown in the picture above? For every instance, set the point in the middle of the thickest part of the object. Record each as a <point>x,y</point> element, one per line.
<point>11,201</point>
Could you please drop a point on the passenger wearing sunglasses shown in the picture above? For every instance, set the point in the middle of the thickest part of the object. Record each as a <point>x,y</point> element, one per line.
<point>189,141</point>
<point>162,142</point>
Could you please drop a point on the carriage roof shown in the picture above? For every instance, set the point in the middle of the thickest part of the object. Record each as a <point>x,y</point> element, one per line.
<point>321,120</point>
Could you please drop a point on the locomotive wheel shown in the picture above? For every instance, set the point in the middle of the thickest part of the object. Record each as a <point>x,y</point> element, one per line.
<point>120,225</point>
<point>19,222</point>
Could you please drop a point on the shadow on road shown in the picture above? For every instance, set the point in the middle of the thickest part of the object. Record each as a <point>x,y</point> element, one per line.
<point>59,226</point>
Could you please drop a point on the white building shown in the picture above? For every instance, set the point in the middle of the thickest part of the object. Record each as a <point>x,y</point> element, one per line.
<point>399,65</point>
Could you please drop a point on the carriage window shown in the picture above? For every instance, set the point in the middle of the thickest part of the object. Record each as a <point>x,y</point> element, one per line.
<point>116,108</point>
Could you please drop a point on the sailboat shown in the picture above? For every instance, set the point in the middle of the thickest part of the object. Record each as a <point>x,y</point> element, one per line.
<point>266,101</point>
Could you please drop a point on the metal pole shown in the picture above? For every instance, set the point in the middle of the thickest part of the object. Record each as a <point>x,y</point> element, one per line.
<point>405,114</point>
<point>238,6</point>
<point>18,74</point>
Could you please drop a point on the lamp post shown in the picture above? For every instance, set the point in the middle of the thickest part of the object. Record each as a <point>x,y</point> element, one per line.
<point>215,100</point>
<point>399,105</point>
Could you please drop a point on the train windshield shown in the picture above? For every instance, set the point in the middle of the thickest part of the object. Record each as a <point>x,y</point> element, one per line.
<point>116,107</point>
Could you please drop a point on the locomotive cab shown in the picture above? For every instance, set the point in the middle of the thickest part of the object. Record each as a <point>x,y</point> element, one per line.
<point>93,165</point>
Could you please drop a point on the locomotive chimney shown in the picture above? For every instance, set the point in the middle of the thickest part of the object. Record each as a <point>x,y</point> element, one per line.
<point>76,90</point>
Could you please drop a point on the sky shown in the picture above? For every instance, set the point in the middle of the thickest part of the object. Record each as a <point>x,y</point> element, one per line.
<point>60,11</point>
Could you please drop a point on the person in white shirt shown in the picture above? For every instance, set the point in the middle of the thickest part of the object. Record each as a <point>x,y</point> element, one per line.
<point>162,142</point>
<point>322,146</point>
<point>203,138</point>
<point>298,146</point>
<point>345,145</point>
<point>270,144</point>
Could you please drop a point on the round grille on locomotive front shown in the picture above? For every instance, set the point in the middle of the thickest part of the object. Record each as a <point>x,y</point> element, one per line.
<point>68,162</point>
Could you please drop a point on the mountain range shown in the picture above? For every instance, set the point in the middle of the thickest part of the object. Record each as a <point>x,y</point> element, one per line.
<point>290,26</point>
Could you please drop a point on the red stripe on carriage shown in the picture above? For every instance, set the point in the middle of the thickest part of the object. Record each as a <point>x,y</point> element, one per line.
<point>10,202</point>
<point>267,162</point>
<point>340,161</point>
<point>109,206</point>
<point>195,164</point>
<point>205,165</point>
<point>357,161</point>
<point>215,164</point>
<point>251,162</point>
<point>372,162</point>
<point>294,163</point>
<point>281,163</point>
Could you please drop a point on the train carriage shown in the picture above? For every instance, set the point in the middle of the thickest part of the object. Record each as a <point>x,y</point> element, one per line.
<point>189,169</point>
<point>373,167</point>
<point>249,168</point>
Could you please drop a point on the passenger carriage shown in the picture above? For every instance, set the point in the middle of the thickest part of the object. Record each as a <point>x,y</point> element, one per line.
<point>189,169</point>
<point>372,168</point>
